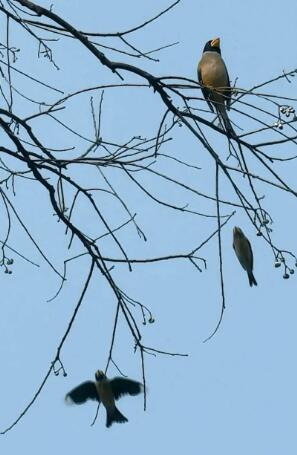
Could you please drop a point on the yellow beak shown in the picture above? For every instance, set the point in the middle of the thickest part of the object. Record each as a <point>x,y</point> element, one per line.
<point>215,42</point>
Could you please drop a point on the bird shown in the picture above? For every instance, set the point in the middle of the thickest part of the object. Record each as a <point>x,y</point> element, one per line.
<point>105,391</point>
<point>244,253</point>
<point>214,81</point>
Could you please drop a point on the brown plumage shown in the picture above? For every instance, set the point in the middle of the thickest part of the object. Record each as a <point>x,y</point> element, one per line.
<point>244,253</point>
<point>215,84</point>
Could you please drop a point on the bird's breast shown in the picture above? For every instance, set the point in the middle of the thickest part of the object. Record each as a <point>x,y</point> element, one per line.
<point>105,393</point>
<point>213,71</point>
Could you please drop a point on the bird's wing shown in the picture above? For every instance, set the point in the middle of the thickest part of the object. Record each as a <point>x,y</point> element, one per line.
<point>122,386</point>
<point>251,254</point>
<point>83,392</point>
<point>244,252</point>
<point>229,91</point>
<point>204,90</point>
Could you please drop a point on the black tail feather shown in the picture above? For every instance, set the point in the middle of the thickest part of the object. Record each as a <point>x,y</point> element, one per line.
<point>114,416</point>
<point>222,113</point>
<point>252,279</point>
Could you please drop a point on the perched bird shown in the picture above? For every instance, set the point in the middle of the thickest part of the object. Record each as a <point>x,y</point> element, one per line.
<point>106,391</point>
<point>214,80</point>
<point>244,253</point>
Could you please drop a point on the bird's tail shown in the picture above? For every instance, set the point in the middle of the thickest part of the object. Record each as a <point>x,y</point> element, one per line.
<point>252,279</point>
<point>114,415</point>
<point>222,113</point>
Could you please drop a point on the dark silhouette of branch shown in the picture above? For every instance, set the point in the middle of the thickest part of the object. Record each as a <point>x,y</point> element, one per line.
<point>57,357</point>
<point>83,168</point>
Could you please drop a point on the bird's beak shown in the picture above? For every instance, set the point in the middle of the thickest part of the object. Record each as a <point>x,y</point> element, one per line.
<point>99,375</point>
<point>215,42</point>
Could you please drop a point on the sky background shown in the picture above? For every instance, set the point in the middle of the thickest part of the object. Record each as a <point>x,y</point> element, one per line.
<point>233,394</point>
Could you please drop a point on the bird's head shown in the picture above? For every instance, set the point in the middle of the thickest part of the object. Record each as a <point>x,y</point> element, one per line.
<point>99,375</point>
<point>212,45</point>
<point>237,231</point>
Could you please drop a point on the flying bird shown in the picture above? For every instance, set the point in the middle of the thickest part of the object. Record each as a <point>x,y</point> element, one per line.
<point>244,253</point>
<point>215,84</point>
<point>105,391</point>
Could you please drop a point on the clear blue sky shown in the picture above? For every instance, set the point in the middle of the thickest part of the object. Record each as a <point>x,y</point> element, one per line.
<point>235,394</point>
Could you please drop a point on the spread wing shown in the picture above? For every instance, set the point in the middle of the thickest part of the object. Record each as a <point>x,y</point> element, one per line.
<point>122,386</point>
<point>204,90</point>
<point>82,393</point>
